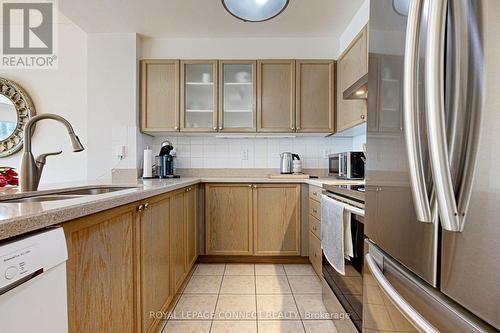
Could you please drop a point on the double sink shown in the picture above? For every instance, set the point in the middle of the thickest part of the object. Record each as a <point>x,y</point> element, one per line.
<point>65,194</point>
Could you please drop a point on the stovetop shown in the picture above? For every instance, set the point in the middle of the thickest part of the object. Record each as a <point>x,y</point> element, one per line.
<point>352,192</point>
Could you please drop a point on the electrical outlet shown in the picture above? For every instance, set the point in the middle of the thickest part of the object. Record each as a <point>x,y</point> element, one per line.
<point>120,152</point>
<point>244,155</point>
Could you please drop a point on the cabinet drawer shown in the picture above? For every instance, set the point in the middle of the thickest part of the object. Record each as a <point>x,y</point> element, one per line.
<point>315,193</point>
<point>315,253</point>
<point>315,226</point>
<point>315,209</point>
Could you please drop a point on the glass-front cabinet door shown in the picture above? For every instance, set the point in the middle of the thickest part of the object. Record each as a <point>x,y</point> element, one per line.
<point>237,96</point>
<point>198,95</point>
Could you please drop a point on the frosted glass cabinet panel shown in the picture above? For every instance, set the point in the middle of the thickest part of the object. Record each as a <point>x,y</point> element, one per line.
<point>199,95</point>
<point>237,96</point>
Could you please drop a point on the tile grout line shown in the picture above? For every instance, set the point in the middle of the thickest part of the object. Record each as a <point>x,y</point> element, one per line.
<point>294,300</point>
<point>217,301</point>
<point>256,309</point>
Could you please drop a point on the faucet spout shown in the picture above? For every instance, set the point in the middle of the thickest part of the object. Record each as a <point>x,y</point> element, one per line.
<point>31,170</point>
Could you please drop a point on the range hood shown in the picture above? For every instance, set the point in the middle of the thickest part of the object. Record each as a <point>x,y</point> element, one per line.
<point>358,90</point>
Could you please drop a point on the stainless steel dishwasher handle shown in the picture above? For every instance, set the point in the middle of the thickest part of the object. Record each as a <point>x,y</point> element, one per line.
<point>399,302</point>
<point>412,139</point>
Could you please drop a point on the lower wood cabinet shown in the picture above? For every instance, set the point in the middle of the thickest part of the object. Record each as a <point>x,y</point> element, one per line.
<point>276,212</point>
<point>129,261</point>
<point>251,219</point>
<point>178,238</point>
<point>154,259</point>
<point>228,219</point>
<point>101,273</point>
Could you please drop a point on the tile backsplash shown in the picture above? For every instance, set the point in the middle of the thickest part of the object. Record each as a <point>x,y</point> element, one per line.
<point>212,152</point>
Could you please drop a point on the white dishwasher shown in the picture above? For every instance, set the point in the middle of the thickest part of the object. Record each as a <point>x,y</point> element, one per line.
<point>33,283</point>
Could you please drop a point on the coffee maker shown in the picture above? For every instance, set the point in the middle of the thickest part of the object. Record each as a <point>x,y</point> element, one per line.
<point>165,161</point>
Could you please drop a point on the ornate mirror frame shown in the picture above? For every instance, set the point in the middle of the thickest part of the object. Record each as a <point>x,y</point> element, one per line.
<point>25,110</point>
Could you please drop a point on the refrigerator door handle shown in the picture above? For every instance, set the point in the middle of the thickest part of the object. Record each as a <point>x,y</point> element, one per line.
<point>399,302</point>
<point>412,139</point>
<point>451,220</point>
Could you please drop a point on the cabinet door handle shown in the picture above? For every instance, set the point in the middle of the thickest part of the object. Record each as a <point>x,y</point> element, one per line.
<point>176,127</point>
<point>314,228</point>
<point>315,211</point>
<point>215,128</point>
<point>254,186</point>
<point>363,116</point>
<point>146,206</point>
<point>250,185</point>
<point>220,127</point>
<point>140,208</point>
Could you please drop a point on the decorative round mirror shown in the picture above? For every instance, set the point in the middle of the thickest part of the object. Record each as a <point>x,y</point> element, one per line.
<point>16,108</point>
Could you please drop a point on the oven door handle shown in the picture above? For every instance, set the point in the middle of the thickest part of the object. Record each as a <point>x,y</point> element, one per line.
<point>341,165</point>
<point>399,302</point>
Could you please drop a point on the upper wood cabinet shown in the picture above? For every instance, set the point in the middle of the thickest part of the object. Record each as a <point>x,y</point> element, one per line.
<point>276,212</point>
<point>155,259</point>
<point>228,219</point>
<point>276,96</point>
<point>159,96</point>
<point>101,272</point>
<point>315,96</point>
<point>352,66</point>
<point>237,95</point>
<point>199,83</point>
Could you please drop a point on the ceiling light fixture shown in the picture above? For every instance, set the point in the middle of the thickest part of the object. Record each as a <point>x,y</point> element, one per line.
<point>255,10</point>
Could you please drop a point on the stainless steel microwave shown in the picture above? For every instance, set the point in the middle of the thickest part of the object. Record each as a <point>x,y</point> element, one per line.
<point>348,165</point>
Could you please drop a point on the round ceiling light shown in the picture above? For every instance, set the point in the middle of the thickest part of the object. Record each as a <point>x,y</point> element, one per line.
<point>255,10</point>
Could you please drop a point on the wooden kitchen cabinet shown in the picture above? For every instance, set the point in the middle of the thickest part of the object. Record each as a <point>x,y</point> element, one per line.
<point>276,96</point>
<point>276,212</point>
<point>159,96</point>
<point>199,86</point>
<point>154,259</point>
<point>237,95</point>
<point>352,66</point>
<point>228,219</point>
<point>178,239</point>
<point>191,204</point>
<point>101,272</point>
<point>315,96</point>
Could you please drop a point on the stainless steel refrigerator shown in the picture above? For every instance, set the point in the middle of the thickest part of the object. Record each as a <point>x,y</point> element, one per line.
<point>433,167</point>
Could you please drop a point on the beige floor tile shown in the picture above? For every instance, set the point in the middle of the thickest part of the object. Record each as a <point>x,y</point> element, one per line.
<point>269,269</point>
<point>236,307</point>
<point>187,327</point>
<point>203,285</point>
<point>302,284</point>
<point>320,326</point>
<point>311,307</point>
<point>195,307</point>
<point>239,269</point>
<point>272,284</point>
<point>299,269</point>
<point>277,307</point>
<point>210,269</point>
<point>347,326</point>
<point>238,284</point>
<point>234,327</point>
<point>281,326</point>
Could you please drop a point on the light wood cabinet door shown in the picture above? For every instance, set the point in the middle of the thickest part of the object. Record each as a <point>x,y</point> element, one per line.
<point>159,96</point>
<point>315,97</point>
<point>199,84</point>
<point>155,261</point>
<point>101,272</point>
<point>178,239</point>
<point>351,66</point>
<point>276,96</point>
<point>237,95</point>
<point>228,219</point>
<point>276,219</point>
<point>315,253</point>
<point>191,204</point>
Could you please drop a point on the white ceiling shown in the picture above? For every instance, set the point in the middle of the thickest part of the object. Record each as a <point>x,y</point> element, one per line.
<point>207,18</point>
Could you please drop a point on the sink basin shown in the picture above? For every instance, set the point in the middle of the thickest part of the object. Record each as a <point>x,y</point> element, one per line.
<point>42,198</point>
<point>94,190</point>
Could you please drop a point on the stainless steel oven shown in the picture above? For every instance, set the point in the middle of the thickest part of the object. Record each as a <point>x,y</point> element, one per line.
<point>347,165</point>
<point>348,288</point>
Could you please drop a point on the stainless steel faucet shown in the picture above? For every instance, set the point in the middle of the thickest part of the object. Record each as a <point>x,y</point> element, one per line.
<point>31,170</point>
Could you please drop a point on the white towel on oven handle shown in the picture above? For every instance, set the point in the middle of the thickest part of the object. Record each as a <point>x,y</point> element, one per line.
<point>336,237</point>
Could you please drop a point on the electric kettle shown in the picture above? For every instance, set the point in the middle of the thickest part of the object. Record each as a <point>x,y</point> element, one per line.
<point>286,164</point>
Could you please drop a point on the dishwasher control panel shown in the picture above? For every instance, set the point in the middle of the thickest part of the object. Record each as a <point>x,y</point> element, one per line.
<point>16,265</point>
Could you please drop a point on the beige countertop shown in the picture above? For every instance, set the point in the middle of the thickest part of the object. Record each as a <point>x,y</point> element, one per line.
<point>20,218</point>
